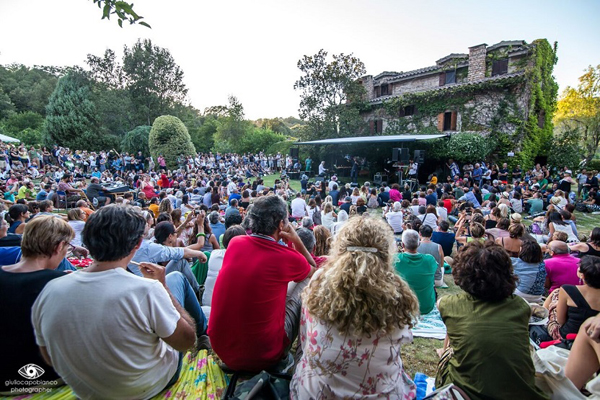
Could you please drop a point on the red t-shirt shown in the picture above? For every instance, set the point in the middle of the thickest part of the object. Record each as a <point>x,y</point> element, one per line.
<point>246,325</point>
<point>448,205</point>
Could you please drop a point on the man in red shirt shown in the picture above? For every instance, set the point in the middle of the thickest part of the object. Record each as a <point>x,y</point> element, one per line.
<point>253,319</point>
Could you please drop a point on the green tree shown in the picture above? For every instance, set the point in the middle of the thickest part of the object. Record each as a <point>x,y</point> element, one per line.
<point>566,149</point>
<point>137,140</point>
<point>579,109</point>
<point>258,139</point>
<point>153,79</point>
<point>71,118</point>
<point>17,123</point>
<point>170,137</point>
<point>232,127</point>
<point>331,95</point>
<point>274,124</point>
<point>28,89</point>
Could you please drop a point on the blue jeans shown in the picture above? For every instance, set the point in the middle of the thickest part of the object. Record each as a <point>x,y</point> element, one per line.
<point>184,294</point>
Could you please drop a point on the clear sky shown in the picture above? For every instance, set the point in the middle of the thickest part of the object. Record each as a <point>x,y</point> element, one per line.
<point>250,48</point>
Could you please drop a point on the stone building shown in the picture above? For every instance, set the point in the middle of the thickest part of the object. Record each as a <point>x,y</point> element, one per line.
<point>505,90</point>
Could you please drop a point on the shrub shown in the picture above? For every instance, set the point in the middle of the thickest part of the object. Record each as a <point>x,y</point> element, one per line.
<point>170,137</point>
<point>137,140</point>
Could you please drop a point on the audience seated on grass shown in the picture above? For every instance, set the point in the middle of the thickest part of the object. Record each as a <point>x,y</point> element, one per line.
<point>427,246</point>
<point>418,270</point>
<point>45,244</point>
<point>109,333</point>
<point>487,346</point>
<point>253,321</point>
<point>356,314</point>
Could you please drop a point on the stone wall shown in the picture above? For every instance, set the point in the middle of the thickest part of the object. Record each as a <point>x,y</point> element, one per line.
<point>477,65</point>
<point>367,82</point>
<point>417,84</point>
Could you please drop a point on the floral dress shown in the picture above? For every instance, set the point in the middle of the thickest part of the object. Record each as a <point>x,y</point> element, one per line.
<point>335,366</point>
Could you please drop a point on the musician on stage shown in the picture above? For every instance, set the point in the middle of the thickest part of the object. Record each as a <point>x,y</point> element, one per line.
<point>93,192</point>
<point>322,169</point>
<point>354,170</point>
<point>412,169</point>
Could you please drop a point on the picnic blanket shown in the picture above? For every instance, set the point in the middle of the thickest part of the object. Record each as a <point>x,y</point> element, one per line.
<point>200,379</point>
<point>430,326</point>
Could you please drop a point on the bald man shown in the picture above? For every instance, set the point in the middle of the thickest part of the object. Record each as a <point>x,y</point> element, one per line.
<point>562,268</point>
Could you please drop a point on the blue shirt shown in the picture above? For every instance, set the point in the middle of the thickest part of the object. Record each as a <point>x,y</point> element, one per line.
<point>41,196</point>
<point>154,253</point>
<point>444,239</point>
<point>477,172</point>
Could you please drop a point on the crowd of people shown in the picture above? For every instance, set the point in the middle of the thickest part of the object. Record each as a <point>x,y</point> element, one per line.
<point>345,269</point>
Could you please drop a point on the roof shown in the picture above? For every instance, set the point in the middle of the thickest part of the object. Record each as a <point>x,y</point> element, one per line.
<point>8,139</point>
<point>452,86</point>
<point>375,139</point>
<point>506,43</point>
<point>450,57</point>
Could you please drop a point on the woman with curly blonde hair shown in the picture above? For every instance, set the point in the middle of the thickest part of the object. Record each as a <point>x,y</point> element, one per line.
<point>356,314</point>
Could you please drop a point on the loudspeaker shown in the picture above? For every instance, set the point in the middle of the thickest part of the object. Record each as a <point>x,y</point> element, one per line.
<point>400,154</point>
<point>419,156</point>
<point>294,152</point>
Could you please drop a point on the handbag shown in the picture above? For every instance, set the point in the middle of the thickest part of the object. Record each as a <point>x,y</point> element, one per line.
<point>317,216</point>
<point>264,386</point>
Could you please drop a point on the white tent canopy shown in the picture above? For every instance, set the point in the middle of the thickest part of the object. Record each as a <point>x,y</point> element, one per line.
<point>376,139</point>
<point>8,139</point>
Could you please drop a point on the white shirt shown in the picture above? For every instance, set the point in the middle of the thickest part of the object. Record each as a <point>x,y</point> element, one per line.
<point>395,219</point>
<point>442,212</point>
<point>215,262</point>
<point>103,332</point>
<point>322,169</point>
<point>298,207</point>
<point>413,169</point>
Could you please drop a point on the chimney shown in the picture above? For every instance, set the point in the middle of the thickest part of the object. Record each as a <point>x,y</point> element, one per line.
<point>368,83</point>
<point>477,62</point>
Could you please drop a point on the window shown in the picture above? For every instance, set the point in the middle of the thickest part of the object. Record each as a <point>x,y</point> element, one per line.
<point>500,67</point>
<point>376,126</point>
<point>447,77</point>
<point>409,110</point>
<point>447,121</point>
<point>385,89</point>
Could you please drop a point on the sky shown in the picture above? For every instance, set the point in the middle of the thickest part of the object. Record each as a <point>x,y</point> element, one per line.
<point>250,49</point>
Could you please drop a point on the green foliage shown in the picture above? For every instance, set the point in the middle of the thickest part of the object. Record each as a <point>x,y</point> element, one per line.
<point>579,108</point>
<point>71,118</point>
<point>593,165</point>
<point>24,120</point>
<point>30,137</point>
<point>464,147</point>
<point>566,149</point>
<point>170,137</point>
<point>274,124</point>
<point>203,135</point>
<point>331,95</point>
<point>258,139</point>
<point>123,10</point>
<point>232,127</point>
<point>539,128</point>
<point>25,89</point>
<point>137,140</point>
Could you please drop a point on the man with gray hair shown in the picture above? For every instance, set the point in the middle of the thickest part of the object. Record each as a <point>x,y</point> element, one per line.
<point>253,318</point>
<point>418,270</point>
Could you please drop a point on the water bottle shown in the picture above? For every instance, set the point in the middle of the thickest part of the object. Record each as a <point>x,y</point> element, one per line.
<point>421,383</point>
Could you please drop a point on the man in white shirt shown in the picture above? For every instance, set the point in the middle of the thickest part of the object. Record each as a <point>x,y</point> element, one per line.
<point>322,169</point>
<point>299,209</point>
<point>109,333</point>
<point>412,169</point>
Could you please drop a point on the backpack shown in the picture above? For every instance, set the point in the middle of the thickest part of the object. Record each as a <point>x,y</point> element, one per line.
<point>317,216</point>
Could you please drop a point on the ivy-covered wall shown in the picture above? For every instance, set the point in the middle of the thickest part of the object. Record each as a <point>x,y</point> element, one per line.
<point>513,113</point>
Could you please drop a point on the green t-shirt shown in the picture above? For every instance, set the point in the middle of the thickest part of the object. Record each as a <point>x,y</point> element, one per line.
<point>490,340</point>
<point>537,205</point>
<point>543,183</point>
<point>418,270</point>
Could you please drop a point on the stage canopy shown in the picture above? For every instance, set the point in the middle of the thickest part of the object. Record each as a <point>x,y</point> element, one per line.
<point>375,139</point>
<point>8,139</point>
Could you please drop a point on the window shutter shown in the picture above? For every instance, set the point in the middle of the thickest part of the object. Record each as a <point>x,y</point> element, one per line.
<point>441,122</point>
<point>500,67</point>
<point>442,79</point>
<point>379,126</point>
<point>372,126</point>
<point>453,121</point>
